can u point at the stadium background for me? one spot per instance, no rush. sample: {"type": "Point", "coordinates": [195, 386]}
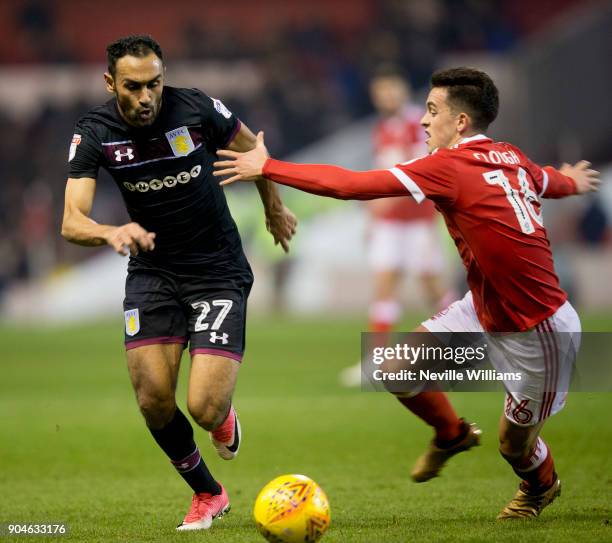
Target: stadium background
{"type": "Point", "coordinates": [72, 446]}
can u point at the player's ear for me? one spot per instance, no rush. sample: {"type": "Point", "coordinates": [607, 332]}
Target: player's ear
{"type": "Point", "coordinates": [463, 122]}
{"type": "Point", "coordinates": [110, 82]}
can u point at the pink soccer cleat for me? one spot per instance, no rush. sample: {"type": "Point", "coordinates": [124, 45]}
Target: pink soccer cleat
{"type": "Point", "coordinates": [204, 509]}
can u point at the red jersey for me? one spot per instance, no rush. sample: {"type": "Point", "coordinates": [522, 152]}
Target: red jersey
{"type": "Point", "coordinates": [488, 193]}
{"type": "Point", "coordinates": [396, 139]}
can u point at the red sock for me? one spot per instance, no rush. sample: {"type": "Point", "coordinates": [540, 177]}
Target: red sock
{"type": "Point", "coordinates": [537, 470]}
{"type": "Point", "coordinates": [384, 314]}
{"type": "Point", "coordinates": [436, 410]}
{"type": "Point", "coordinates": [379, 326]}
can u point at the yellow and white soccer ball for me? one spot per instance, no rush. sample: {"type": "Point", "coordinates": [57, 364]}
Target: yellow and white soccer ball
{"type": "Point", "coordinates": [292, 509]}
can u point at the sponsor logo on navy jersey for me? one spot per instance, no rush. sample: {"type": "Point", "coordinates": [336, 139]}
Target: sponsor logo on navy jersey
{"type": "Point", "coordinates": [168, 181]}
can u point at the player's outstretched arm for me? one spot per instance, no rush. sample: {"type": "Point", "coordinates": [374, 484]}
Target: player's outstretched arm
{"type": "Point", "coordinates": [79, 228]}
{"type": "Point", "coordinates": [280, 221]}
{"type": "Point", "coordinates": [569, 180]}
{"type": "Point", "coordinates": [315, 178]}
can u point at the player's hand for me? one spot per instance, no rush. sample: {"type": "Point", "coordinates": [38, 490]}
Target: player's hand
{"type": "Point", "coordinates": [130, 237]}
{"type": "Point", "coordinates": [586, 180]}
{"type": "Point", "coordinates": [242, 166]}
{"type": "Point", "coordinates": [282, 224]}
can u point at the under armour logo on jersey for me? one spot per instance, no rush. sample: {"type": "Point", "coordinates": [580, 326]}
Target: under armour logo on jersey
{"type": "Point", "coordinates": [129, 154]}
{"type": "Point", "coordinates": [223, 337]}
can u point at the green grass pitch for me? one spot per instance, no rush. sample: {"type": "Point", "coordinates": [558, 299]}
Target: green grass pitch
{"type": "Point", "coordinates": [73, 447]}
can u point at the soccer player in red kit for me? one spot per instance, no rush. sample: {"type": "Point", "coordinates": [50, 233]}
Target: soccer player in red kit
{"type": "Point", "coordinates": [400, 226]}
{"type": "Point", "coordinates": [488, 193]}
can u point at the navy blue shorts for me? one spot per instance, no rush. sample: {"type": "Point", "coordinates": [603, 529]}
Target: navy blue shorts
{"type": "Point", "coordinates": [164, 307]}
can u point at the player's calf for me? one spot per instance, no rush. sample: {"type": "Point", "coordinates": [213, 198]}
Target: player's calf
{"type": "Point", "coordinates": [532, 461]}
{"type": "Point", "coordinates": [536, 468]}
{"type": "Point", "coordinates": [527, 454]}
{"type": "Point", "coordinates": [176, 440]}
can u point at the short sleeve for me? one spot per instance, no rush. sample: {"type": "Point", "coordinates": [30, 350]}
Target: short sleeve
{"type": "Point", "coordinates": [220, 123]}
{"type": "Point", "coordinates": [84, 155]}
{"type": "Point", "coordinates": [432, 176]}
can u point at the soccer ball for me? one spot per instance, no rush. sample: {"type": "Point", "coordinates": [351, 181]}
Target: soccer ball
{"type": "Point", "coordinates": [292, 509]}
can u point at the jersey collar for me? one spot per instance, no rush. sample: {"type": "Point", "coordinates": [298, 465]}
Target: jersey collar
{"type": "Point", "coordinates": [471, 139]}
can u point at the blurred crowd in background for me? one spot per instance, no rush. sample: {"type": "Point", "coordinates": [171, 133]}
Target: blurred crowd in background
{"type": "Point", "coordinates": [315, 60]}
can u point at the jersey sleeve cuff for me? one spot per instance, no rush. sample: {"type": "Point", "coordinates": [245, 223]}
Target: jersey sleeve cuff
{"type": "Point", "coordinates": [268, 164]}
{"type": "Point", "coordinates": [414, 190]}
{"type": "Point", "coordinates": [233, 133]}
{"type": "Point", "coordinates": [561, 185]}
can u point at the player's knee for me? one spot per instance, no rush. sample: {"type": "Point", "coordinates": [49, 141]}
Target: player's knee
{"type": "Point", "coordinates": [208, 412]}
{"type": "Point", "coordinates": [156, 408]}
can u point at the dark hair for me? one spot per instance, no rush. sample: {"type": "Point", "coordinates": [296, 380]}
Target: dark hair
{"type": "Point", "coordinates": [138, 45]}
{"type": "Point", "coordinates": [388, 70]}
{"type": "Point", "coordinates": [470, 90]}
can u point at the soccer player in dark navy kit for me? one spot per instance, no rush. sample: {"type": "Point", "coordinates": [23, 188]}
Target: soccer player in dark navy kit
{"type": "Point", "coordinates": [188, 278]}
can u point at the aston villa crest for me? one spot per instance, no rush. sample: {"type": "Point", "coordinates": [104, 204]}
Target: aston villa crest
{"type": "Point", "coordinates": [132, 322]}
{"type": "Point", "coordinates": [180, 141]}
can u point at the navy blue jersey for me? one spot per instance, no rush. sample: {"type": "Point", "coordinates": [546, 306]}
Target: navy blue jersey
{"type": "Point", "coordinates": [164, 173]}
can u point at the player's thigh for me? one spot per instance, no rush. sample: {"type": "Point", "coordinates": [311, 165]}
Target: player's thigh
{"type": "Point", "coordinates": [212, 381]}
{"type": "Point", "coordinates": [540, 362]}
{"type": "Point", "coordinates": [155, 335]}
{"type": "Point", "coordinates": [420, 339]}
{"type": "Point", "coordinates": [460, 316]}
{"type": "Point", "coordinates": [457, 325]}
{"type": "Point", "coordinates": [153, 371]}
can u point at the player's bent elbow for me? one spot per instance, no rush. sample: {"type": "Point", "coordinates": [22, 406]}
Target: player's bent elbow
{"type": "Point", "coordinates": [66, 231]}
